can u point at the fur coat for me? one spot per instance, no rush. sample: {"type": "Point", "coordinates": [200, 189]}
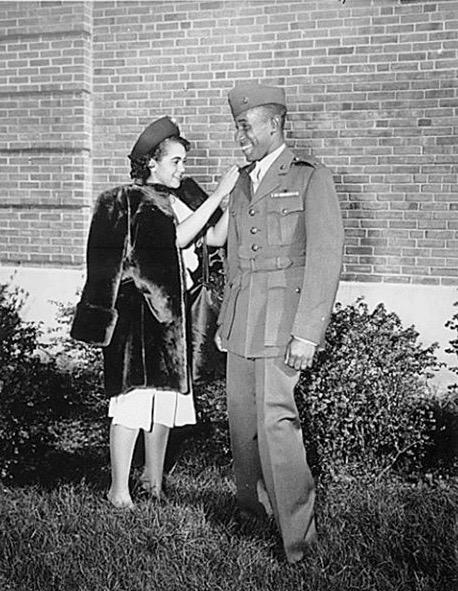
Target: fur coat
{"type": "Point", "coordinates": [133, 301]}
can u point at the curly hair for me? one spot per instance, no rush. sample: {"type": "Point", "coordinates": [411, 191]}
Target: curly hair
{"type": "Point", "coordinates": [139, 169]}
{"type": "Point", "coordinates": [139, 166]}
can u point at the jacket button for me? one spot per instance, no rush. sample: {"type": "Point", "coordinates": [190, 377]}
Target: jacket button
{"type": "Point", "coordinates": [284, 211]}
{"type": "Point", "coordinates": [251, 212]}
{"type": "Point", "coordinates": [254, 247]}
{"type": "Point", "coordinates": [298, 290]}
{"type": "Point", "coordinates": [253, 230]}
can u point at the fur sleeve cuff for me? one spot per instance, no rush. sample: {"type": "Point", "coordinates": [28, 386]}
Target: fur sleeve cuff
{"type": "Point", "coordinates": [94, 324]}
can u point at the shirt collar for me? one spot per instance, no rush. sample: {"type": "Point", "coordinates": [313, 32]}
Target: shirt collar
{"type": "Point", "coordinates": [264, 164]}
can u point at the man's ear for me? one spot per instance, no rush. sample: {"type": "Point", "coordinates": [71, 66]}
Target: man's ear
{"type": "Point", "coordinates": [275, 124]}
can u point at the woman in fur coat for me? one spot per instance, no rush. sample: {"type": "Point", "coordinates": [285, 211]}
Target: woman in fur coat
{"type": "Point", "coordinates": [140, 257]}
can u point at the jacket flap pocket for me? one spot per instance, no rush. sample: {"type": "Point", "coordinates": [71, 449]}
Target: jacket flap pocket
{"type": "Point", "coordinates": [285, 203]}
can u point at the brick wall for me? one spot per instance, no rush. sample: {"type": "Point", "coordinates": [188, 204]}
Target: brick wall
{"type": "Point", "coordinates": [372, 92]}
{"type": "Point", "coordinates": [45, 152]}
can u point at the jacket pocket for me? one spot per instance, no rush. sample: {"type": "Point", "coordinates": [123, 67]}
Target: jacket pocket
{"type": "Point", "coordinates": [283, 294]}
{"type": "Point", "coordinates": [285, 216]}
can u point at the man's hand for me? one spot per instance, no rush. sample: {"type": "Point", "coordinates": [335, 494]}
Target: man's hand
{"type": "Point", "coordinates": [218, 342]}
{"type": "Point", "coordinates": [299, 354]}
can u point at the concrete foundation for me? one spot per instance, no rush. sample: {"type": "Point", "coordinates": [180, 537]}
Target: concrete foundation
{"type": "Point", "coordinates": [426, 307]}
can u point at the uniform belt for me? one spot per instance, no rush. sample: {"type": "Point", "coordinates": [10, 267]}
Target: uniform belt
{"type": "Point", "coordinates": [271, 263]}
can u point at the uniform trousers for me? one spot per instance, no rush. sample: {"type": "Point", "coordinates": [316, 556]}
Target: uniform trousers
{"type": "Point", "coordinates": [268, 449]}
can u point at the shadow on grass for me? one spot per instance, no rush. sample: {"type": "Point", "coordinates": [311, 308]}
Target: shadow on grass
{"type": "Point", "coordinates": [221, 513]}
{"type": "Point", "coordinates": [49, 467]}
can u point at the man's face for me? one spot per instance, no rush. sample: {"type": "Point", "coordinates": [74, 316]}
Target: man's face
{"type": "Point", "coordinates": [255, 133]}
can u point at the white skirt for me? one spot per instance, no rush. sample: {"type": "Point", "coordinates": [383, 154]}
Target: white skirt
{"type": "Point", "coordinates": [140, 408]}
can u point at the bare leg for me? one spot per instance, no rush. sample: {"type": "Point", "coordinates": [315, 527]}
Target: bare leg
{"type": "Point", "coordinates": [122, 441]}
{"type": "Point", "coordinates": [155, 448]}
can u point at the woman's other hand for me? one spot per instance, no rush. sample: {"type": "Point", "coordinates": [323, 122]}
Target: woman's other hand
{"type": "Point", "coordinates": [187, 229]}
{"type": "Point", "coordinates": [227, 182]}
{"type": "Point", "coordinates": [219, 342]}
{"type": "Point", "coordinates": [224, 202]}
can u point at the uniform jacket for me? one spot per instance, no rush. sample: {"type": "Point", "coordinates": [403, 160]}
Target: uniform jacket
{"type": "Point", "coordinates": [133, 303]}
{"type": "Point", "coordinates": [284, 258]}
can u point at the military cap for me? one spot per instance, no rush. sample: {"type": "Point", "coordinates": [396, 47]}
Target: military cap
{"type": "Point", "coordinates": [153, 135]}
{"type": "Point", "coordinates": [246, 96]}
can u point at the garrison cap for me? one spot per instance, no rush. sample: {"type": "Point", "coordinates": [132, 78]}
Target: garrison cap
{"type": "Point", "coordinates": [153, 135]}
{"type": "Point", "coordinates": [246, 96]}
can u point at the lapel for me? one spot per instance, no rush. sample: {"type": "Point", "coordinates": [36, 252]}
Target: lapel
{"type": "Point", "coordinates": [274, 175]}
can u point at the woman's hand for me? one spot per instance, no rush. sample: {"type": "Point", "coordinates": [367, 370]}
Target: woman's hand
{"type": "Point", "coordinates": [223, 204]}
{"type": "Point", "coordinates": [188, 228]}
{"type": "Point", "coordinates": [219, 342]}
{"type": "Point", "coordinates": [227, 181]}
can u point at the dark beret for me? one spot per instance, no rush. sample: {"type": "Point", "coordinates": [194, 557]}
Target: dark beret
{"type": "Point", "coordinates": [246, 96]}
{"type": "Point", "coordinates": [153, 135]}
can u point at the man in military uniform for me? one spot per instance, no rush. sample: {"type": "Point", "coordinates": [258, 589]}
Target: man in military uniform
{"type": "Point", "coordinates": [285, 242]}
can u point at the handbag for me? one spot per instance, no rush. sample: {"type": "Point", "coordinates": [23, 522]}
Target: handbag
{"type": "Point", "coordinates": [208, 363]}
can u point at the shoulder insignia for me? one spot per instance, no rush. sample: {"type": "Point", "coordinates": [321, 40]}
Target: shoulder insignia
{"type": "Point", "coordinates": [306, 161]}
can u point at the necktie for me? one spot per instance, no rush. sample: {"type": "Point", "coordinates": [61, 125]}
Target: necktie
{"type": "Point", "coordinates": [255, 176]}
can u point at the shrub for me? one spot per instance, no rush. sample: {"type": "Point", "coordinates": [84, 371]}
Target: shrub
{"type": "Point", "coordinates": [25, 405]}
{"type": "Point", "coordinates": [453, 349]}
{"type": "Point", "coordinates": [211, 410]}
{"type": "Point", "coordinates": [365, 401]}
{"type": "Point", "coordinates": [16, 338]}
{"type": "Point", "coordinates": [445, 452]}
{"type": "Point", "coordinates": [37, 391]}
{"type": "Point", "coordinates": [82, 363]}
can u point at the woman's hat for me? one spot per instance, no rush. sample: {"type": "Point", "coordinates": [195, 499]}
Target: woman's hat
{"type": "Point", "coordinates": [153, 135]}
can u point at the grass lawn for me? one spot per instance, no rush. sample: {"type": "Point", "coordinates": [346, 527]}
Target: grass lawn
{"type": "Point", "coordinates": [383, 536]}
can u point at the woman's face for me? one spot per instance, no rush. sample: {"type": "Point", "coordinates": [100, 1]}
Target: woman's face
{"type": "Point", "coordinates": [170, 169]}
